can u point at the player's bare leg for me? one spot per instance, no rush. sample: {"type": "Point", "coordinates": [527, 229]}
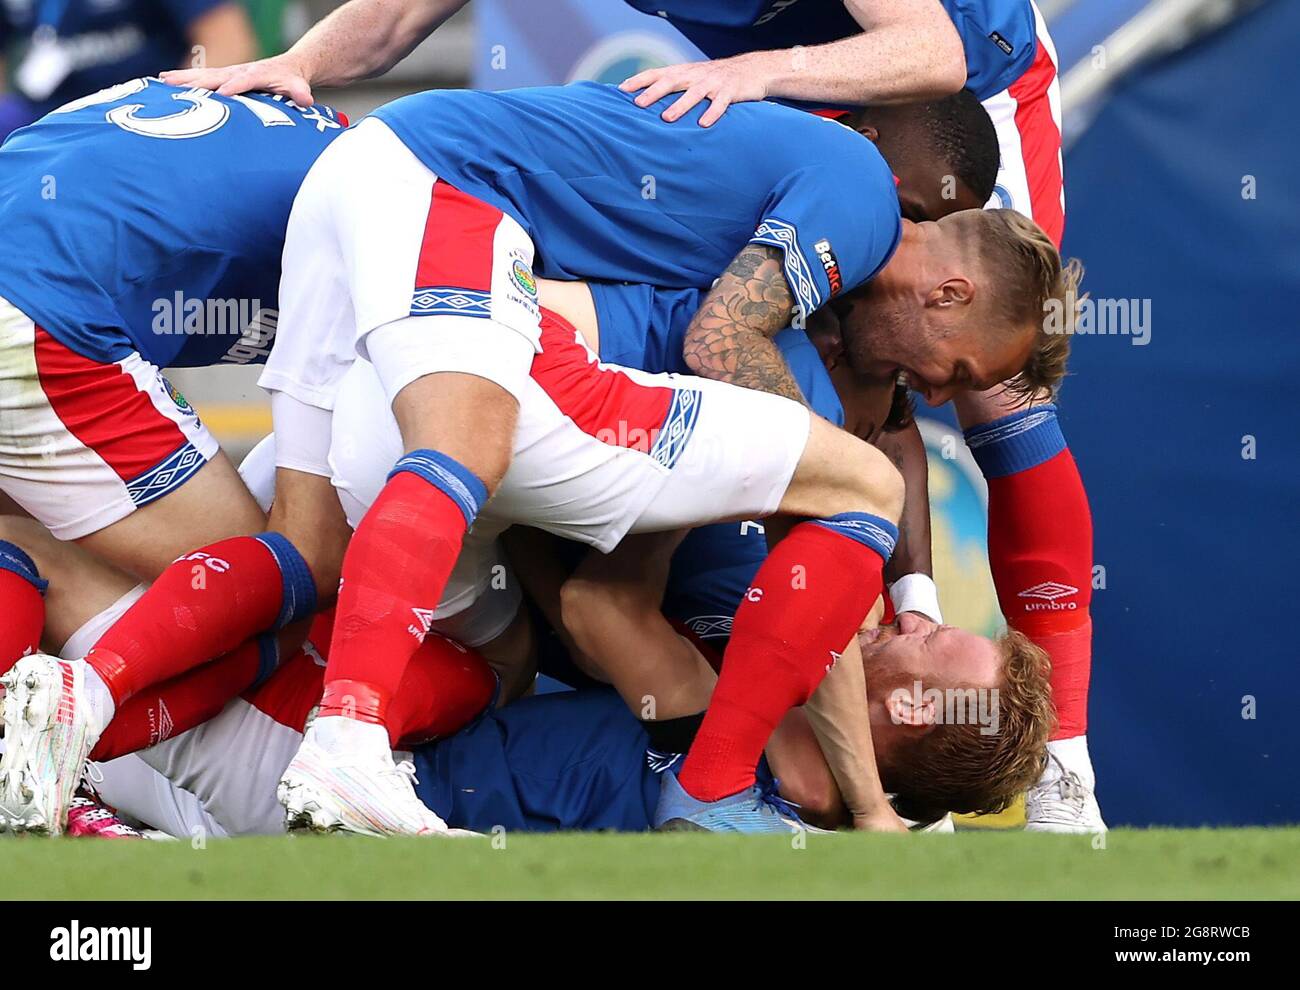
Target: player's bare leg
{"type": "Point", "coordinates": [1040, 551]}
{"type": "Point", "coordinates": [213, 505]}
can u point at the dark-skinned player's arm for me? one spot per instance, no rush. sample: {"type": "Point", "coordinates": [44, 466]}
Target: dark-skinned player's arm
{"type": "Point", "coordinates": [730, 338]}
{"type": "Point", "coordinates": [910, 571]}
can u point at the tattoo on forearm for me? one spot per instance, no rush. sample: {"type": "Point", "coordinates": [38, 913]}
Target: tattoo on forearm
{"type": "Point", "coordinates": [730, 338]}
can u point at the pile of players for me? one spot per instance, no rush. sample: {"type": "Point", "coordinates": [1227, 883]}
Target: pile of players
{"type": "Point", "coordinates": [538, 362]}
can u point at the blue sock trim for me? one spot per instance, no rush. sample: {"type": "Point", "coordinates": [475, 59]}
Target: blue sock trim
{"type": "Point", "coordinates": [268, 658]}
{"type": "Point", "coordinates": [14, 559]}
{"type": "Point", "coordinates": [1017, 442]}
{"type": "Point", "coordinates": [298, 595]}
{"type": "Point", "coordinates": [449, 476]}
{"type": "Point", "coordinates": [871, 531]}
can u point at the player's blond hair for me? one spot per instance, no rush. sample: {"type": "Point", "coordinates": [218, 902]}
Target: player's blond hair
{"type": "Point", "coordinates": [1033, 287]}
{"type": "Point", "coordinates": [964, 768]}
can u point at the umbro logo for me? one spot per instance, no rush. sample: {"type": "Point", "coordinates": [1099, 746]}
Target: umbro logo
{"type": "Point", "coordinates": [161, 724]}
{"type": "Point", "coordinates": [423, 621]}
{"type": "Point", "coordinates": [1049, 591]}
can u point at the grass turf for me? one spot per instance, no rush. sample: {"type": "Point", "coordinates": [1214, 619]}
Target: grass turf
{"type": "Point", "coordinates": [1145, 864]}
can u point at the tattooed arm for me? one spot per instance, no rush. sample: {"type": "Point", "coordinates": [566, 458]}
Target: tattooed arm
{"type": "Point", "coordinates": [730, 338]}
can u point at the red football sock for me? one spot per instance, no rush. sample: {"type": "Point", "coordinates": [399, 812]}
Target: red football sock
{"type": "Point", "coordinates": [443, 689]}
{"type": "Point", "coordinates": [393, 575]}
{"type": "Point", "coordinates": [785, 637]}
{"type": "Point", "coordinates": [1040, 552]}
{"type": "Point", "coordinates": [205, 604]}
{"type": "Point", "coordinates": [179, 704]}
{"type": "Point", "coordinates": [22, 604]}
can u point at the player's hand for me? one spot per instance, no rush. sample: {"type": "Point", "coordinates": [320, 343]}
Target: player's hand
{"type": "Point", "coordinates": [722, 82]}
{"type": "Point", "coordinates": [282, 74]}
{"type": "Point", "coordinates": [883, 820]}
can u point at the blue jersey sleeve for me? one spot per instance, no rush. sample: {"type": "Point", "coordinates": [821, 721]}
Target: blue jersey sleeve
{"type": "Point", "coordinates": [836, 222]}
{"type": "Point", "coordinates": [999, 38]}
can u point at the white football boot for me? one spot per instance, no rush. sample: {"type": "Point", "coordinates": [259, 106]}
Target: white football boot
{"type": "Point", "coordinates": [50, 729]}
{"type": "Point", "coordinates": [358, 789]}
{"type": "Point", "coordinates": [1063, 799]}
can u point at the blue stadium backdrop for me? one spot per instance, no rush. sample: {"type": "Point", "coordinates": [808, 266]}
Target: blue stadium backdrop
{"type": "Point", "coordinates": [1182, 193]}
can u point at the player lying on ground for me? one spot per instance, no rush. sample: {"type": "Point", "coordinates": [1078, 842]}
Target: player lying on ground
{"type": "Point", "coordinates": [566, 761]}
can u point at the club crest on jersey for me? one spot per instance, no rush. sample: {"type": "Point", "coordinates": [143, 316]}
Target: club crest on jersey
{"type": "Point", "coordinates": [831, 264]}
{"type": "Point", "coordinates": [523, 277]}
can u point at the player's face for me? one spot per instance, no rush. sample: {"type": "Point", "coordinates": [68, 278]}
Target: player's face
{"type": "Point", "coordinates": [914, 648]}
{"type": "Point", "coordinates": [926, 193]}
{"type": "Point", "coordinates": [941, 351]}
{"type": "Point", "coordinates": [967, 360]}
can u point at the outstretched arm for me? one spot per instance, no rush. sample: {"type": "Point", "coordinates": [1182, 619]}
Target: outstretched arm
{"type": "Point", "coordinates": [908, 51]}
{"type": "Point", "coordinates": [730, 338]}
{"type": "Point", "coordinates": [360, 39]}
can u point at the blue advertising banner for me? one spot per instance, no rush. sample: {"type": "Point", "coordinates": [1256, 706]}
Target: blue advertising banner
{"type": "Point", "coordinates": [604, 40]}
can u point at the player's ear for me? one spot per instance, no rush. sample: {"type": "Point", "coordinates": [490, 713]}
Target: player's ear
{"type": "Point", "coordinates": [953, 292]}
{"type": "Point", "coordinates": [908, 707]}
{"type": "Point", "coordinates": [868, 132]}
{"type": "Point", "coordinates": [824, 330]}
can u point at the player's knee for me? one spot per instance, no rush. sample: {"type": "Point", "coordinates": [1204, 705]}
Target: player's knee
{"type": "Point", "coordinates": [841, 473]}
{"type": "Point", "coordinates": [868, 482]}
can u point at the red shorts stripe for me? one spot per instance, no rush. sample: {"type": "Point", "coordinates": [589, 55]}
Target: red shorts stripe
{"type": "Point", "coordinates": [459, 234]}
{"type": "Point", "coordinates": [603, 402]}
{"type": "Point", "coordinates": [101, 405]}
{"type": "Point", "coordinates": [1040, 142]}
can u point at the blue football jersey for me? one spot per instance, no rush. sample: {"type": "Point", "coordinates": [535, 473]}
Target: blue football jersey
{"type": "Point", "coordinates": [998, 35]}
{"type": "Point", "coordinates": [575, 760]}
{"type": "Point", "coordinates": [643, 327]}
{"type": "Point", "coordinates": [610, 191]}
{"type": "Point", "coordinates": [151, 218]}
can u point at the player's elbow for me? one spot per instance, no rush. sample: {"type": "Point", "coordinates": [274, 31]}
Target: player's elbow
{"type": "Point", "coordinates": [693, 358]}
{"type": "Point", "coordinates": [948, 72]}
{"type": "Point", "coordinates": [941, 69]}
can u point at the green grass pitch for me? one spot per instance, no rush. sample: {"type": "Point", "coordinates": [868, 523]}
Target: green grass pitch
{"type": "Point", "coordinates": [1142, 864]}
